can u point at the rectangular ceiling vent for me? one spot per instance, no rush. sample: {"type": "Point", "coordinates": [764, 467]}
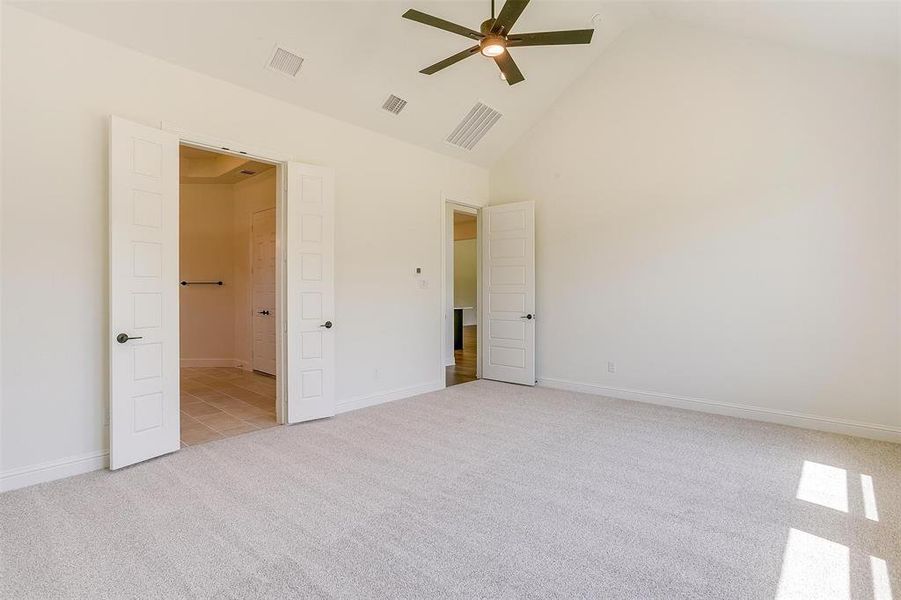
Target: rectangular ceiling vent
{"type": "Point", "coordinates": [474, 127]}
{"type": "Point", "coordinates": [394, 104]}
{"type": "Point", "coordinates": [284, 61]}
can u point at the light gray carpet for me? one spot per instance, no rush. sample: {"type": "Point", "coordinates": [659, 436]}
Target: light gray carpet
{"type": "Point", "coordinates": [481, 490]}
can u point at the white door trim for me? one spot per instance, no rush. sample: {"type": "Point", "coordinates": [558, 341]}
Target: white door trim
{"type": "Point", "coordinates": [223, 146]}
{"type": "Point", "coordinates": [463, 206]}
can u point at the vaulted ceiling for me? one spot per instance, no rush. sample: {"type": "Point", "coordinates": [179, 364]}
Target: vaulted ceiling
{"type": "Point", "coordinates": [357, 53]}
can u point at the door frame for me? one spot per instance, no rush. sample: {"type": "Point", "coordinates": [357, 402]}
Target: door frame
{"type": "Point", "coordinates": [446, 239]}
{"type": "Point", "coordinates": [223, 146]}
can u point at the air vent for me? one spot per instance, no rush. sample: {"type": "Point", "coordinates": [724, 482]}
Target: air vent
{"type": "Point", "coordinates": [284, 61]}
{"type": "Point", "coordinates": [474, 127]}
{"type": "Point", "coordinates": [394, 104]}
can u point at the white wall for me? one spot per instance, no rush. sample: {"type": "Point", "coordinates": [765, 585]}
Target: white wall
{"type": "Point", "coordinates": [59, 86]}
{"type": "Point", "coordinates": [1, 234]}
{"type": "Point", "coordinates": [720, 218]}
{"type": "Point", "coordinates": [207, 252]}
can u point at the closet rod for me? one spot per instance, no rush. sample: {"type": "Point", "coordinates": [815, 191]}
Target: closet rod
{"type": "Point", "coordinates": [201, 283]}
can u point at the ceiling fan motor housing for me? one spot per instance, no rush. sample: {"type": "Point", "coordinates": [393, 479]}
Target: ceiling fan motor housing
{"type": "Point", "coordinates": [489, 45]}
{"type": "Point", "coordinates": [493, 39]}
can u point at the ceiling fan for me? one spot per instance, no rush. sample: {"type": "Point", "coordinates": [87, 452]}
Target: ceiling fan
{"type": "Point", "coordinates": [494, 38]}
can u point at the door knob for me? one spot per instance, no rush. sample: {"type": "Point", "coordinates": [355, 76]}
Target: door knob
{"type": "Point", "coordinates": [262, 312]}
{"type": "Point", "coordinates": [327, 325]}
{"type": "Point", "coordinates": [529, 316]}
{"type": "Point", "coordinates": [123, 337]}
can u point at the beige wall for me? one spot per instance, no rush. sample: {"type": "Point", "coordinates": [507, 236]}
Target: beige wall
{"type": "Point", "coordinates": [718, 216]}
{"type": "Point", "coordinates": [465, 230]}
{"type": "Point", "coordinates": [255, 194]}
{"type": "Point", "coordinates": [215, 243]}
{"type": "Point", "coordinates": [465, 278]}
{"type": "Point", "coordinates": [207, 252]}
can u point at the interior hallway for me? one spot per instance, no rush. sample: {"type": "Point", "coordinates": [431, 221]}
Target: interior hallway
{"type": "Point", "coordinates": [218, 403]}
{"type": "Point", "coordinates": [464, 368]}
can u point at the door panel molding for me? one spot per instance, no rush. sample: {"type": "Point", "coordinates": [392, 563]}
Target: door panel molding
{"type": "Point", "coordinates": [310, 292]}
{"type": "Point", "coordinates": [508, 293]}
{"type": "Point", "coordinates": [144, 366]}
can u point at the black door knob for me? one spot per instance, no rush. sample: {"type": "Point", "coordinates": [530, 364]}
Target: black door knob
{"type": "Point", "coordinates": [123, 337]}
{"type": "Point", "coordinates": [327, 325]}
{"type": "Point", "coordinates": [528, 316]}
{"type": "Point", "coordinates": [263, 312]}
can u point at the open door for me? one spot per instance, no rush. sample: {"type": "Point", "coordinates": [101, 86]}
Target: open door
{"type": "Point", "coordinates": [310, 292]}
{"type": "Point", "coordinates": [143, 357]}
{"type": "Point", "coordinates": [508, 292]}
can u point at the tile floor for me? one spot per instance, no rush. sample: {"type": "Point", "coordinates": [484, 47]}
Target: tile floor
{"type": "Point", "coordinates": [218, 403]}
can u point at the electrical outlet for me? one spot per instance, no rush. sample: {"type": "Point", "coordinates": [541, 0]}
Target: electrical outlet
{"type": "Point", "coordinates": [611, 366]}
{"type": "Point", "coordinates": [423, 284]}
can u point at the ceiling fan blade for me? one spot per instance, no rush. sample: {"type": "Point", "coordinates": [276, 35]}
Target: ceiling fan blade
{"type": "Point", "coordinates": [421, 17]}
{"type": "Point", "coordinates": [550, 38]}
{"type": "Point", "coordinates": [450, 60]}
{"type": "Point", "coordinates": [508, 67]}
{"type": "Point", "coordinates": [508, 16]}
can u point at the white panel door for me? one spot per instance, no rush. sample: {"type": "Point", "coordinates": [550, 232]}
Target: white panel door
{"type": "Point", "coordinates": [144, 360]}
{"type": "Point", "coordinates": [310, 292]}
{"type": "Point", "coordinates": [508, 292]}
{"type": "Point", "coordinates": [264, 291]}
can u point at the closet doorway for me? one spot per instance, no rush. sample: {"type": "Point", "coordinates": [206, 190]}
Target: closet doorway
{"type": "Point", "coordinates": [155, 325]}
{"type": "Point", "coordinates": [227, 304]}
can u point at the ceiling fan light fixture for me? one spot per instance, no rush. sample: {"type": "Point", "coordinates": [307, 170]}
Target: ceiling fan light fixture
{"type": "Point", "coordinates": [493, 46]}
{"type": "Point", "coordinates": [495, 37]}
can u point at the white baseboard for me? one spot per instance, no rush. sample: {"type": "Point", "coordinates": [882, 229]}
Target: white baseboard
{"type": "Point", "coordinates": [381, 398]}
{"type": "Point", "coordinates": [783, 417]}
{"type": "Point", "coordinates": [93, 461]}
{"type": "Point", "coordinates": [212, 362]}
{"type": "Point", "coordinates": [56, 469]}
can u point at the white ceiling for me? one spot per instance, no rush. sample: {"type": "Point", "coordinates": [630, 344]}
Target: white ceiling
{"type": "Point", "coordinates": [853, 27]}
{"type": "Point", "coordinates": [356, 53]}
